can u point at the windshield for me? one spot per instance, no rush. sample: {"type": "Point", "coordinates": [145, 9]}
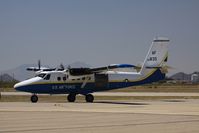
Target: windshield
{"type": "Point", "coordinates": [41, 75]}
{"type": "Point", "coordinates": [47, 77]}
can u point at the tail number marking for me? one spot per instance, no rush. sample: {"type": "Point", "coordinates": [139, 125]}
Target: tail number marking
{"type": "Point", "coordinates": [152, 59]}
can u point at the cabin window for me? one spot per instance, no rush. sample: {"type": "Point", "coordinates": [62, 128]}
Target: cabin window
{"type": "Point", "coordinates": [83, 78]}
{"type": "Point", "coordinates": [47, 77]}
{"type": "Point", "coordinates": [64, 78]}
{"type": "Point", "coordinates": [58, 78]}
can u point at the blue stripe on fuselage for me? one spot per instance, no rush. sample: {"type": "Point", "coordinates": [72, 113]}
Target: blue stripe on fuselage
{"type": "Point", "coordinates": [65, 88]}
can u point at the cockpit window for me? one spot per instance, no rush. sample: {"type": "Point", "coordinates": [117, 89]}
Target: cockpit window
{"type": "Point", "coordinates": [41, 75]}
{"type": "Point", "coordinates": [47, 77]}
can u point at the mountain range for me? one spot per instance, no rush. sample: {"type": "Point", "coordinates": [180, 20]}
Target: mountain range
{"type": "Point", "coordinates": [6, 78]}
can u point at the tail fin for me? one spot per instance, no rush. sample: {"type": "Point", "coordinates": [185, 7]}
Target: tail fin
{"type": "Point", "coordinates": [157, 55]}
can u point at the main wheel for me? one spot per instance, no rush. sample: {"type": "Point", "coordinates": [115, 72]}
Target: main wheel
{"type": "Point", "coordinates": [89, 98]}
{"type": "Point", "coordinates": [34, 98]}
{"type": "Point", "coordinates": [71, 97]}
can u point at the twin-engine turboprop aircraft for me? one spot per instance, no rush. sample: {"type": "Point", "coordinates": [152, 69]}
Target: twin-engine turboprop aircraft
{"type": "Point", "coordinates": [74, 81]}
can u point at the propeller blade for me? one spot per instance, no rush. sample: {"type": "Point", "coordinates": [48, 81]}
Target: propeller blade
{"type": "Point", "coordinates": [69, 67]}
{"type": "Point", "coordinates": [62, 66]}
{"type": "Point", "coordinates": [39, 64]}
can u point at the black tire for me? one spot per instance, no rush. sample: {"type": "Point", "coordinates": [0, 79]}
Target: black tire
{"type": "Point", "coordinates": [34, 98]}
{"type": "Point", "coordinates": [71, 97]}
{"type": "Point", "coordinates": [89, 98]}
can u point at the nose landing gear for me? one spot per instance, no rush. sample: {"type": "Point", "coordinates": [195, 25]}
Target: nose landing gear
{"type": "Point", "coordinates": [34, 98]}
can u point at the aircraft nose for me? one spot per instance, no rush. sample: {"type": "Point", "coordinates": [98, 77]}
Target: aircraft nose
{"type": "Point", "coordinates": [18, 85]}
{"type": "Point", "coordinates": [24, 85]}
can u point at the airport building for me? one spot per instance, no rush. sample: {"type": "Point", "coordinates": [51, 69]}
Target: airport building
{"type": "Point", "coordinates": [194, 78]}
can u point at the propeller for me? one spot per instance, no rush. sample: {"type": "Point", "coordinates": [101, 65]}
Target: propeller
{"type": "Point", "coordinates": [39, 68]}
{"type": "Point", "coordinates": [39, 64]}
{"type": "Point", "coordinates": [62, 66]}
{"type": "Point", "coordinates": [69, 68]}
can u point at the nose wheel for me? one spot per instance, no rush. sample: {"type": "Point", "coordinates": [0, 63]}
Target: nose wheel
{"type": "Point", "coordinates": [34, 98]}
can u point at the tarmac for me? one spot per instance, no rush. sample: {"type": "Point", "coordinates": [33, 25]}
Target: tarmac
{"type": "Point", "coordinates": [139, 116]}
{"type": "Point", "coordinates": [116, 94]}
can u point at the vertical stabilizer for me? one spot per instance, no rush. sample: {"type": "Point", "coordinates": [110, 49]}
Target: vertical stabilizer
{"type": "Point", "coordinates": [157, 55]}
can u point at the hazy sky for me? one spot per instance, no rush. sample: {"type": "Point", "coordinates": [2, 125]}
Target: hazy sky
{"type": "Point", "coordinates": [97, 32]}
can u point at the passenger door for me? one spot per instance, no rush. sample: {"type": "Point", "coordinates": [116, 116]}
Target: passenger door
{"type": "Point", "coordinates": [101, 81]}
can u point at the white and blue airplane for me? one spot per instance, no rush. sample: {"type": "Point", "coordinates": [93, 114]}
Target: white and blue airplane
{"type": "Point", "coordinates": [85, 81]}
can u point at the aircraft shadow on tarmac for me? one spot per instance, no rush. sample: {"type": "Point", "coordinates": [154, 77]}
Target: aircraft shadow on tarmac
{"type": "Point", "coordinates": [121, 103]}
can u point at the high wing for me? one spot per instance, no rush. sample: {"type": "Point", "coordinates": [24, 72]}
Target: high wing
{"type": "Point", "coordinates": [35, 69]}
{"type": "Point", "coordinates": [87, 71]}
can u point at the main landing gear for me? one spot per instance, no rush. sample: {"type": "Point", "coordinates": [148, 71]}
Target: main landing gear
{"type": "Point", "coordinates": [88, 97]}
{"type": "Point", "coordinates": [34, 98]}
{"type": "Point", "coordinates": [71, 97]}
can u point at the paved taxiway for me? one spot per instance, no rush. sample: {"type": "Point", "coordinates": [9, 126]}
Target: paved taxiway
{"type": "Point", "coordinates": [140, 116]}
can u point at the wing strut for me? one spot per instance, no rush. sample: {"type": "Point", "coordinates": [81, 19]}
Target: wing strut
{"type": "Point", "coordinates": [84, 83]}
